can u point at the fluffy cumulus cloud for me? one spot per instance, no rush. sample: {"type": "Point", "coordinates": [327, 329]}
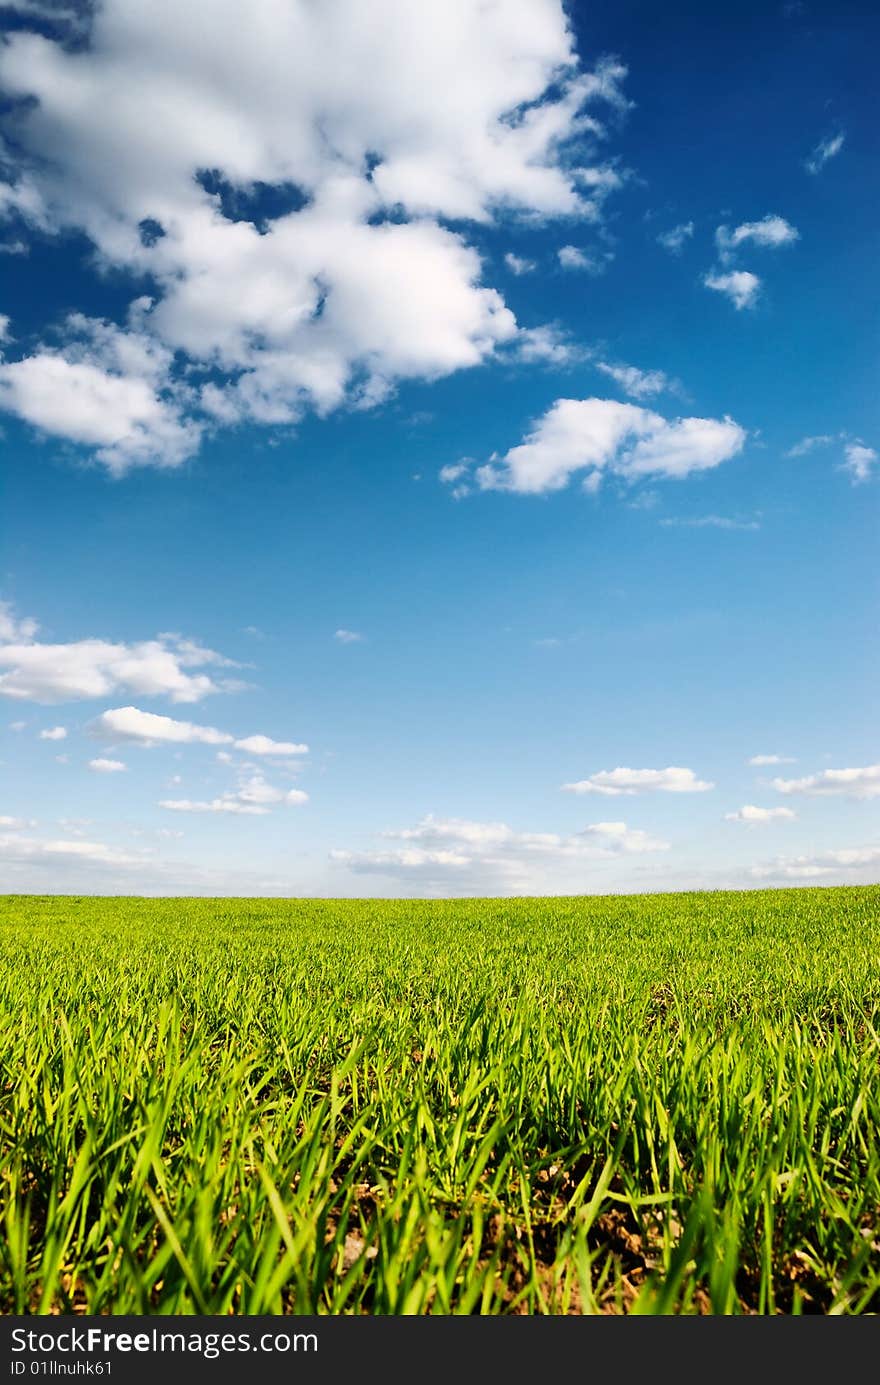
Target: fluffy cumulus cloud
{"type": "Point", "coordinates": [54, 733]}
{"type": "Point", "coordinates": [770, 232]}
{"type": "Point", "coordinates": [37, 671]}
{"type": "Point", "coordinates": [101, 765]}
{"type": "Point", "coordinates": [603, 436]}
{"type": "Point", "coordinates": [834, 783]}
{"type": "Point", "coordinates": [149, 728]}
{"type": "Point", "coordinates": [107, 389]}
{"type": "Point", "coordinates": [754, 816]}
{"type": "Point", "coordinates": [264, 745]}
{"type": "Point", "coordinates": [286, 175]}
{"type": "Point", "coordinates": [131, 724]}
{"type": "Point", "coordinates": [614, 782]}
{"type": "Point", "coordinates": [456, 855]}
{"type": "Point", "coordinates": [739, 285]}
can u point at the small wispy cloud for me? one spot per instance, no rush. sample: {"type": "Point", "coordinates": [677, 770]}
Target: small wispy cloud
{"type": "Point", "coordinates": [740, 286]}
{"type": "Point", "coordinates": [674, 239]}
{"type": "Point", "coordinates": [548, 344]}
{"type": "Point", "coordinates": [573, 258]}
{"type": "Point", "coordinates": [758, 760]}
{"type": "Point", "coordinates": [518, 265]}
{"type": "Point", "coordinates": [810, 444]}
{"type": "Point", "coordinates": [54, 733]}
{"type": "Point", "coordinates": [710, 522]}
{"type": "Point", "coordinates": [104, 766]}
{"type": "Point", "coordinates": [638, 384]}
{"type": "Point", "coordinates": [859, 461]}
{"type": "Point", "coordinates": [827, 148]}
{"type": "Point", "coordinates": [754, 816]}
{"type": "Point", "coordinates": [349, 636]}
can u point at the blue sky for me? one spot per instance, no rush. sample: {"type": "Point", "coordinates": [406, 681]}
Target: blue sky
{"type": "Point", "coordinates": [476, 405]}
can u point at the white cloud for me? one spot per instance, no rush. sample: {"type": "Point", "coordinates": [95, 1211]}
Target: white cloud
{"type": "Point", "coordinates": [214, 805]}
{"type": "Point", "coordinates": [709, 522]}
{"type": "Point", "coordinates": [518, 265]}
{"type": "Point", "coordinates": [255, 796]}
{"type": "Point", "coordinates": [770, 232]}
{"type": "Point", "coordinates": [17, 725]}
{"type": "Point", "coordinates": [839, 864]}
{"type": "Point", "coordinates": [771, 760]}
{"type": "Point", "coordinates": [640, 384]}
{"type": "Point", "coordinates": [103, 396]}
{"type": "Point", "coordinates": [457, 854]}
{"type": "Point", "coordinates": [54, 733]}
{"type": "Point", "coordinates": [547, 344]}
{"type": "Point", "coordinates": [14, 630]}
{"type": "Point", "coordinates": [348, 636]}
{"type": "Point", "coordinates": [613, 782]}
{"type": "Point", "coordinates": [863, 782]}
{"type": "Point", "coordinates": [739, 285]}
{"type": "Point", "coordinates": [377, 129]}
{"type": "Point", "coordinates": [750, 814]}
{"type": "Point", "coordinates": [15, 848]}
{"type": "Point", "coordinates": [453, 471]}
{"type": "Point", "coordinates": [256, 789]}
{"type": "Point", "coordinates": [12, 824]}
{"type": "Point", "coordinates": [673, 240]}
{"type": "Point", "coordinates": [806, 445]}
{"type": "Point", "coordinates": [597, 436]}
{"type": "Point", "coordinates": [51, 673]}
{"type": "Point", "coordinates": [149, 728]}
{"type": "Point", "coordinates": [827, 148]}
{"type": "Point", "coordinates": [102, 766]}
{"type": "Point", "coordinates": [571, 257]}
{"type": "Point", "coordinates": [860, 460]}
{"type": "Point", "coordinates": [616, 836]}
{"type": "Point", "coordinates": [264, 745]}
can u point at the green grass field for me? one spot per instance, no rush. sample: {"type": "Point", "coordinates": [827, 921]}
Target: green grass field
{"type": "Point", "coordinates": [655, 1104]}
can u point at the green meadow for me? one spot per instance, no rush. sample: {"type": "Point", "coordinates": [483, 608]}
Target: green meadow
{"type": "Point", "coordinates": [634, 1104]}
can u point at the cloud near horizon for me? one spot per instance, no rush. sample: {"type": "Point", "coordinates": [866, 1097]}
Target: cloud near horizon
{"type": "Point", "coordinates": [458, 854]}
